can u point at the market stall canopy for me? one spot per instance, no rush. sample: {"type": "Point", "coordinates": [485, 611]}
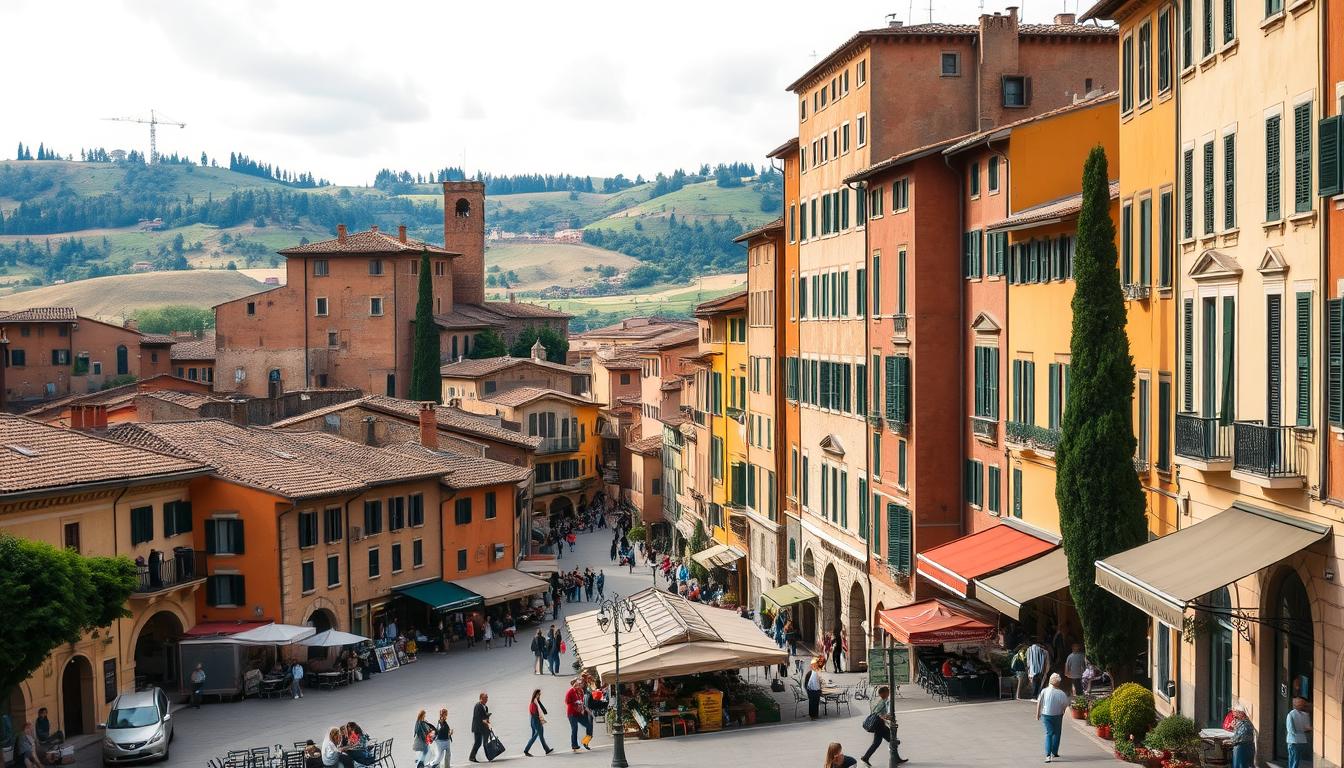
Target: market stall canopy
{"type": "Point", "coordinates": [440, 595]}
{"type": "Point", "coordinates": [1007, 591]}
{"type": "Point", "coordinates": [539, 565]}
{"type": "Point", "coordinates": [230, 628]}
{"type": "Point", "coordinates": [932, 622]}
{"type": "Point", "coordinates": [1166, 575]}
{"type": "Point", "coordinates": [953, 565]}
{"type": "Point", "coordinates": [672, 636]}
{"type": "Point", "coordinates": [789, 594]}
{"type": "Point", "coordinates": [718, 556]}
{"type": "Point", "coordinates": [274, 634]}
{"type": "Point", "coordinates": [504, 585]}
{"type": "Point", "coordinates": [332, 638]}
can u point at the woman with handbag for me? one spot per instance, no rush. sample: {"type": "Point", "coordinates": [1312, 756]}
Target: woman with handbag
{"type": "Point", "coordinates": [876, 724]}
{"type": "Point", "coordinates": [443, 739]}
{"type": "Point", "coordinates": [536, 713]}
{"type": "Point", "coordinates": [421, 738]}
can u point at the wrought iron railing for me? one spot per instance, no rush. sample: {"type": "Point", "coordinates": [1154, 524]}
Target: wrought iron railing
{"type": "Point", "coordinates": [1264, 451]}
{"type": "Point", "coordinates": [172, 569]}
{"type": "Point", "coordinates": [1031, 436]}
{"type": "Point", "coordinates": [559, 444]}
{"type": "Point", "coordinates": [984, 426]}
{"type": "Point", "coordinates": [900, 323]}
{"type": "Point", "coordinates": [1203, 438]}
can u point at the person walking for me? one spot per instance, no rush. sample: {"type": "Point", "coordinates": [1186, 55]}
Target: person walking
{"type": "Point", "coordinates": [470, 630]}
{"type": "Point", "coordinates": [553, 650]}
{"type": "Point", "coordinates": [539, 652]}
{"type": "Point", "coordinates": [488, 633]}
{"type": "Point", "coordinates": [577, 713]}
{"type": "Point", "coordinates": [1038, 664]}
{"type": "Point", "coordinates": [588, 584]}
{"type": "Point", "coordinates": [536, 715]}
{"type": "Point", "coordinates": [443, 739]}
{"type": "Point", "coordinates": [1243, 739]}
{"type": "Point", "coordinates": [480, 726]}
{"type": "Point", "coordinates": [422, 734]}
{"type": "Point", "coordinates": [1074, 667]}
{"type": "Point", "coordinates": [614, 540]}
{"type": "Point", "coordinates": [838, 648]}
{"type": "Point", "coordinates": [1050, 706]}
{"type": "Point", "coordinates": [881, 715]}
{"type": "Point", "coordinates": [1299, 732]}
{"type": "Point", "coordinates": [836, 757]}
{"type": "Point", "coordinates": [197, 685]}
{"type": "Point", "coordinates": [296, 680]}
{"type": "Point", "coordinates": [813, 687]}
{"type": "Point", "coordinates": [1019, 667]}
{"type": "Point", "coordinates": [600, 581]}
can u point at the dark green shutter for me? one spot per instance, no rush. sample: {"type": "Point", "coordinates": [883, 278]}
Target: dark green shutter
{"type": "Point", "coordinates": [1054, 396]}
{"type": "Point", "coordinates": [1273, 169]}
{"type": "Point", "coordinates": [1229, 181]}
{"type": "Point", "coordinates": [1017, 493]}
{"type": "Point", "coordinates": [1328, 156]}
{"type": "Point", "coordinates": [890, 391]}
{"type": "Point", "coordinates": [211, 592]}
{"type": "Point", "coordinates": [899, 555]}
{"type": "Point", "coordinates": [1127, 244]}
{"type": "Point", "coordinates": [1334, 324]}
{"type": "Point", "coordinates": [1165, 246]}
{"type": "Point", "coordinates": [1188, 194]}
{"type": "Point", "coordinates": [239, 593]}
{"type": "Point", "coordinates": [903, 390]}
{"type": "Point", "coordinates": [1274, 358]}
{"type": "Point", "coordinates": [1229, 412]}
{"type": "Point", "coordinates": [1303, 344]}
{"type": "Point", "coordinates": [1208, 187]}
{"type": "Point", "coordinates": [1188, 355]}
{"type": "Point", "coordinates": [993, 501]}
{"type": "Point", "coordinates": [1302, 158]}
{"type": "Point", "coordinates": [210, 536]}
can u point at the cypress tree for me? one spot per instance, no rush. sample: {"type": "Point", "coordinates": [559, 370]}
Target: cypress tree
{"type": "Point", "coordinates": [1101, 505]}
{"type": "Point", "coordinates": [425, 353]}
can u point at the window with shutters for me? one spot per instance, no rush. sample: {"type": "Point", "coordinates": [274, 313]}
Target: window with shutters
{"type": "Point", "coordinates": [974, 483]}
{"type": "Point", "coordinates": [224, 536]}
{"type": "Point", "coordinates": [971, 253]}
{"type": "Point", "coordinates": [1017, 493]}
{"type": "Point", "coordinates": [987, 382]}
{"type": "Point", "coordinates": [1274, 355]}
{"type": "Point", "coordinates": [1208, 187]}
{"type": "Point", "coordinates": [1165, 246]}
{"type": "Point", "coordinates": [1127, 74]}
{"type": "Point", "coordinates": [1187, 35]}
{"type": "Point", "coordinates": [1302, 344]}
{"type": "Point", "coordinates": [225, 591]}
{"type": "Point", "coordinates": [900, 556]}
{"type": "Point", "coordinates": [1145, 411]}
{"type": "Point", "coordinates": [1144, 64]}
{"type": "Point", "coordinates": [396, 513]}
{"type": "Point", "coordinates": [877, 284]}
{"type": "Point", "coordinates": [898, 391]}
{"type": "Point", "coordinates": [1164, 423]}
{"type": "Point", "coordinates": [142, 524]}
{"type": "Point", "coordinates": [901, 276]}
{"type": "Point", "coordinates": [1207, 38]}
{"type": "Point", "coordinates": [862, 499]}
{"type": "Point", "coordinates": [1055, 374]}
{"type": "Point", "coordinates": [1334, 364]}
{"type": "Point", "coordinates": [716, 458]}
{"type": "Point", "coordinates": [373, 517]}
{"type": "Point", "coordinates": [900, 194]}
{"type": "Point", "coordinates": [1209, 356]}
{"type": "Point", "coordinates": [307, 529]}
{"type": "Point", "coordinates": [1188, 194]}
{"type": "Point", "coordinates": [1127, 243]}
{"type": "Point", "coordinates": [176, 518]}
{"type": "Point", "coordinates": [1229, 21]}
{"type": "Point", "coordinates": [992, 495]}
{"type": "Point", "coordinates": [309, 578]}
{"type": "Point", "coordinates": [1024, 394]}
{"type": "Point", "coordinates": [1230, 181]}
{"type": "Point", "coordinates": [1164, 51]}
{"type": "Point", "coordinates": [993, 173]}
{"type": "Point", "coordinates": [333, 571]}
{"type": "Point", "coordinates": [375, 563]}
{"type": "Point", "coordinates": [1329, 158]}
{"type": "Point", "coordinates": [974, 178]}
{"type": "Point", "coordinates": [1146, 241]}
{"type": "Point", "coordinates": [331, 525]}
{"type": "Point", "coordinates": [1302, 197]}
{"type": "Point", "coordinates": [901, 449]}
{"type": "Point", "coordinates": [861, 292]}
{"type": "Point", "coordinates": [1273, 168]}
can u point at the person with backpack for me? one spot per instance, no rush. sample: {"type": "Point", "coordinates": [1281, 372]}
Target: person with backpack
{"type": "Point", "coordinates": [877, 724]}
{"type": "Point", "coordinates": [421, 736]}
{"type": "Point", "coordinates": [539, 648]}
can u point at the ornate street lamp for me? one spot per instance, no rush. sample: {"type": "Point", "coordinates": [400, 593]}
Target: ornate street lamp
{"type": "Point", "coordinates": [614, 612]}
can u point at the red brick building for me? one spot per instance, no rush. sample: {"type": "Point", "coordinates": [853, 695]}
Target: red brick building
{"type": "Point", "coordinates": [345, 315]}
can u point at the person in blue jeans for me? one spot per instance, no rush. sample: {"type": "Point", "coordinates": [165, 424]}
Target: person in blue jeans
{"type": "Point", "coordinates": [536, 714]}
{"type": "Point", "coordinates": [1243, 740]}
{"type": "Point", "coordinates": [1050, 706]}
{"type": "Point", "coordinates": [1299, 733]}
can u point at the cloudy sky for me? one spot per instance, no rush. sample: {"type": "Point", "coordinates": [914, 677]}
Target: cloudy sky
{"type": "Point", "coordinates": [345, 88]}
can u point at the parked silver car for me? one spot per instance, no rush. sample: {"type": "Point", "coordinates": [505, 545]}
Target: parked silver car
{"type": "Point", "coordinates": [139, 727]}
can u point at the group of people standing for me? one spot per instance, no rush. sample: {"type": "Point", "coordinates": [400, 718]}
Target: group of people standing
{"type": "Point", "coordinates": [546, 650]}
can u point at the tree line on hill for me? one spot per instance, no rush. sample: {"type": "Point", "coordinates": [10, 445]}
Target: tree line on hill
{"type": "Point", "coordinates": [240, 163]}
{"type": "Point", "coordinates": [26, 153]}
{"type": "Point", "coordinates": [685, 252]}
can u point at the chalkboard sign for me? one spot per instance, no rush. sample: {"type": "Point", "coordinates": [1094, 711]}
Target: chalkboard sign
{"type": "Point", "coordinates": [877, 666]}
{"type": "Point", "coordinates": [109, 679]}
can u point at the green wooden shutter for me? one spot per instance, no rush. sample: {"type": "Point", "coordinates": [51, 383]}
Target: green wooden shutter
{"type": "Point", "coordinates": [903, 391]}
{"type": "Point", "coordinates": [1334, 323]}
{"type": "Point", "coordinates": [1188, 355]}
{"type": "Point", "coordinates": [1188, 194]}
{"type": "Point", "coordinates": [1302, 198]}
{"type": "Point", "coordinates": [863, 509]}
{"type": "Point", "coordinates": [1029, 369]}
{"type": "Point", "coordinates": [1017, 493]}
{"type": "Point", "coordinates": [993, 500]}
{"type": "Point", "coordinates": [992, 381]}
{"type": "Point", "coordinates": [1274, 361]}
{"type": "Point", "coordinates": [1229, 181]}
{"type": "Point", "coordinates": [239, 593]}
{"type": "Point", "coordinates": [1017, 391]}
{"type": "Point", "coordinates": [979, 381]}
{"type": "Point", "coordinates": [210, 537]}
{"type": "Point", "coordinates": [1273, 169]}
{"type": "Point", "coordinates": [1208, 187]}
{"type": "Point", "coordinates": [1303, 344]}
{"type": "Point", "coordinates": [843, 488]}
{"type": "Point", "coordinates": [1229, 412]}
{"type": "Point", "coordinates": [860, 389]}
{"type": "Point", "coordinates": [1126, 244]}
{"type": "Point", "coordinates": [899, 555]}
{"type": "Point", "coordinates": [1054, 396]}
{"type": "Point", "coordinates": [1329, 159]}
{"type": "Point", "coordinates": [211, 590]}
{"type": "Point", "coordinates": [891, 389]}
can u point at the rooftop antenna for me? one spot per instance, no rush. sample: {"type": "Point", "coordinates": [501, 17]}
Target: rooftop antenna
{"type": "Point", "coordinates": [930, 11]}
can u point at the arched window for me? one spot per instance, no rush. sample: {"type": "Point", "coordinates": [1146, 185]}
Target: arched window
{"type": "Point", "coordinates": [793, 550]}
{"type": "Point", "coordinates": [463, 208]}
{"type": "Point", "coordinates": [809, 564]}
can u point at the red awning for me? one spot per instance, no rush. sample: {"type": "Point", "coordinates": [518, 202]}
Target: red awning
{"type": "Point", "coordinates": [211, 628]}
{"type": "Point", "coordinates": [932, 622]}
{"type": "Point", "coordinates": [953, 565]}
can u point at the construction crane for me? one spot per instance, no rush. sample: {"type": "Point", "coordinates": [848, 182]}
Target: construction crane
{"type": "Point", "coordinates": [153, 122]}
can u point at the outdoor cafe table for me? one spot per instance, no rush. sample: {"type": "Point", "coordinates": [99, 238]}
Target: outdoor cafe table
{"type": "Point", "coordinates": [333, 679]}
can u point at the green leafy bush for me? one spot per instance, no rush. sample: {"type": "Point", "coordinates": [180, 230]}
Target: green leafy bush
{"type": "Point", "coordinates": [1132, 712]}
{"type": "Point", "coordinates": [1177, 734]}
{"type": "Point", "coordinates": [1100, 712]}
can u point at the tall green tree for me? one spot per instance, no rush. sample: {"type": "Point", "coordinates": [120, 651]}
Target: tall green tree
{"type": "Point", "coordinates": [1101, 506]}
{"type": "Point", "coordinates": [51, 596]}
{"type": "Point", "coordinates": [425, 353]}
{"type": "Point", "coordinates": [487, 344]}
{"type": "Point", "coordinates": [557, 346]}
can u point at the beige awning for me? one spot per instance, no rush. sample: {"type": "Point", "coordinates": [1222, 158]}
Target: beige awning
{"type": "Point", "coordinates": [718, 556]}
{"type": "Point", "coordinates": [503, 586]}
{"type": "Point", "coordinates": [1007, 591]}
{"type": "Point", "coordinates": [672, 636]}
{"type": "Point", "coordinates": [539, 565]}
{"type": "Point", "coordinates": [686, 525]}
{"type": "Point", "coordinates": [1164, 576]}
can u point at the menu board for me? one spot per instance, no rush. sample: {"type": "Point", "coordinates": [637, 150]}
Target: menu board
{"type": "Point", "coordinates": [710, 710]}
{"type": "Point", "coordinates": [877, 666]}
{"type": "Point", "coordinates": [109, 679]}
{"type": "Point", "coordinates": [387, 657]}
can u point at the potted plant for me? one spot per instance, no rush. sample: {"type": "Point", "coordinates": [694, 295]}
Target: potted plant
{"type": "Point", "coordinates": [1099, 716]}
{"type": "Point", "coordinates": [1078, 708]}
{"type": "Point", "coordinates": [1176, 738]}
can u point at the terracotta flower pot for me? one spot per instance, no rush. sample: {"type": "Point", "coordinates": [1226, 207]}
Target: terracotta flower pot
{"type": "Point", "coordinates": [1104, 731]}
{"type": "Point", "coordinates": [1078, 714]}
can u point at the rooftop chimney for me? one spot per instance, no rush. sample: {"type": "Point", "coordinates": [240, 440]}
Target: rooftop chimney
{"type": "Point", "coordinates": [894, 21]}
{"type": "Point", "coordinates": [374, 229]}
{"type": "Point", "coordinates": [401, 233]}
{"type": "Point", "coordinates": [1012, 13]}
{"type": "Point", "coordinates": [429, 426]}
{"type": "Point", "coordinates": [1066, 19]}
{"type": "Point", "coordinates": [238, 412]}
{"type": "Point", "coordinates": [370, 437]}
{"type": "Point", "coordinates": [340, 233]}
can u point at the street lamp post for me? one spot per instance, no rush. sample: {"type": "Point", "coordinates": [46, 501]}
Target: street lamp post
{"type": "Point", "coordinates": [893, 756]}
{"type": "Point", "coordinates": [614, 612]}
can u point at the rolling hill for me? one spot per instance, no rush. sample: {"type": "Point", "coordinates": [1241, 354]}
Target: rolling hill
{"type": "Point", "coordinates": [541, 265]}
{"type": "Point", "coordinates": [118, 296]}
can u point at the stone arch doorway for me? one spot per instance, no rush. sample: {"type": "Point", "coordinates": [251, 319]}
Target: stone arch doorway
{"type": "Point", "coordinates": [832, 607]}
{"type": "Point", "coordinates": [855, 636]}
{"type": "Point", "coordinates": [321, 620]}
{"type": "Point", "coordinates": [16, 707]}
{"type": "Point", "coordinates": [77, 697]}
{"type": "Point", "coordinates": [156, 651]}
{"type": "Point", "coordinates": [560, 507]}
{"type": "Point", "coordinates": [1290, 671]}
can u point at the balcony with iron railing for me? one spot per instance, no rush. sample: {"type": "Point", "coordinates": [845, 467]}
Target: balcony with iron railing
{"type": "Point", "coordinates": [1029, 437]}
{"type": "Point", "coordinates": [875, 420]}
{"type": "Point", "coordinates": [1203, 443]}
{"type": "Point", "coordinates": [559, 444]}
{"type": "Point", "coordinates": [900, 324]}
{"type": "Point", "coordinates": [175, 569]}
{"type": "Point", "coordinates": [1266, 456]}
{"type": "Point", "coordinates": [985, 428]}
{"type": "Point", "coordinates": [558, 486]}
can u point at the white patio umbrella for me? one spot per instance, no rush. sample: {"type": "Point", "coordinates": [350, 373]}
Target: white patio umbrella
{"type": "Point", "coordinates": [274, 634]}
{"type": "Point", "coordinates": [332, 638]}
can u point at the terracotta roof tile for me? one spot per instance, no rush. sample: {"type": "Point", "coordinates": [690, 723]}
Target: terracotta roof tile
{"type": "Point", "coordinates": [783, 149]}
{"type": "Point", "coordinates": [109, 397]}
{"type": "Point", "coordinates": [296, 465]}
{"type": "Point", "coordinates": [464, 471]}
{"type": "Point", "coordinates": [368, 241]}
{"type": "Point", "coordinates": [450, 419]}
{"type": "Point", "coordinates": [647, 445]}
{"type": "Point", "coordinates": [721, 304]}
{"type": "Point", "coordinates": [191, 400]}
{"type": "Point", "coordinates": [522, 395]}
{"type": "Point", "coordinates": [195, 349]}
{"type": "Point", "coordinates": [904, 157]}
{"type": "Point", "coordinates": [469, 368]}
{"type": "Point", "coordinates": [1062, 207]}
{"type": "Point", "coordinates": [39, 315]}
{"type": "Point", "coordinates": [523, 309]}
{"type": "Point", "coordinates": [975, 138]}
{"type": "Point", "coordinates": [745, 236]}
{"type": "Point", "coordinates": [636, 328]}
{"type": "Point", "coordinates": [36, 457]}
{"type": "Point", "coordinates": [156, 338]}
